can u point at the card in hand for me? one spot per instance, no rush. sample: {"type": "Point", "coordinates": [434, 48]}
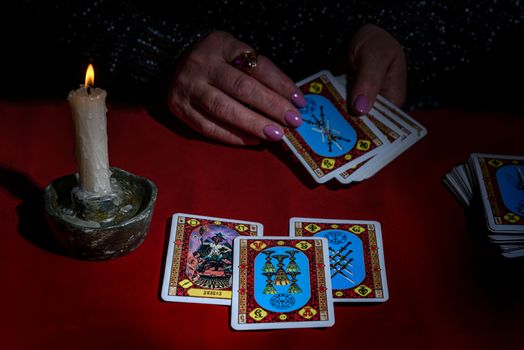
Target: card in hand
{"type": "Point", "coordinates": [330, 140]}
{"type": "Point", "coordinates": [366, 169]}
{"type": "Point", "coordinates": [501, 182]}
{"type": "Point", "coordinates": [383, 104]}
{"type": "Point", "coordinates": [356, 255]}
{"type": "Point", "coordinates": [199, 263]}
{"type": "Point", "coordinates": [281, 282]}
{"type": "Point", "coordinates": [383, 111]}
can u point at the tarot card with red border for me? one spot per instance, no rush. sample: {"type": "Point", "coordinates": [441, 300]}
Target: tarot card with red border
{"type": "Point", "coordinates": [410, 132]}
{"type": "Point", "coordinates": [281, 282]}
{"type": "Point", "coordinates": [199, 263]}
{"type": "Point", "coordinates": [501, 182]}
{"type": "Point", "coordinates": [366, 169]}
{"type": "Point", "coordinates": [330, 140]}
{"type": "Point", "coordinates": [358, 272]}
{"type": "Point", "coordinates": [383, 104]}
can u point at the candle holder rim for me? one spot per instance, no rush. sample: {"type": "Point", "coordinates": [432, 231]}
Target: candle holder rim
{"type": "Point", "coordinates": [140, 215]}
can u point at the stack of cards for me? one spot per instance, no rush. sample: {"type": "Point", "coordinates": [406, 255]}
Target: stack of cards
{"type": "Point", "coordinates": [275, 282]}
{"type": "Point", "coordinates": [496, 184]}
{"type": "Point", "coordinates": [331, 143]}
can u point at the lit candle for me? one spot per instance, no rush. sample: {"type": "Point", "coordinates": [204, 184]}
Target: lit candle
{"type": "Point", "coordinates": [89, 115]}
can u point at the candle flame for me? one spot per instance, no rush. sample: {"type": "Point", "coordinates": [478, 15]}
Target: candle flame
{"type": "Point", "coordinates": [90, 76]}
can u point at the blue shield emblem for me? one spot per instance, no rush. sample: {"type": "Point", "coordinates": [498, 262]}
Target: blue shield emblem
{"type": "Point", "coordinates": [282, 280]}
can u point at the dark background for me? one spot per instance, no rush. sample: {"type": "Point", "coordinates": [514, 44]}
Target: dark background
{"type": "Point", "coordinates": [36, 65]}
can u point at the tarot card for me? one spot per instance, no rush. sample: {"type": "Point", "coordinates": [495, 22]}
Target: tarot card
{"type": "Point", "coordinates": [506, 238]}
{"type": "Point", "coordinates": [358, 272]}
{"type": "Point", "coordinates": [399, 117]}
{"type": "Point", "coordinates": [459, 183]}
{"type": "Point", "coordinates": [501, 182]}
{"type": "Point", "coordinates": [394, 118]}
{"type": "Point", "coordinates": [281, 282]}
{"type": "Point", "coordinates": [413, 131]}
{"type": "Point", "coordinates": [456, 188]}
{"type": "Point", "coordinates": [365, 169]}
{"type": "Point", "coordinates": [383, 104]}
{"type": "Point", "coordinates": [513, 253]}
{"type": "Point", "coordinates": [199, 263]}
{"type": "Point", "coordinates": [409, 135]}
{"type": "Point", "coordinates": [462, 175]}
{"type": "Point", "coordinates": [330, 140]}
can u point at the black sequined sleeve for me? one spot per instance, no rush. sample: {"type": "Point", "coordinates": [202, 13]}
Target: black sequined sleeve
{"type": "Point", "coordinates": [136, 44]}
{"type": "Point", "coordinates": [442, 38]}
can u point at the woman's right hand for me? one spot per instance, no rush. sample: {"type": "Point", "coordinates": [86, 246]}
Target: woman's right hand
{"type": "Point", "coordinates": [226, 104]}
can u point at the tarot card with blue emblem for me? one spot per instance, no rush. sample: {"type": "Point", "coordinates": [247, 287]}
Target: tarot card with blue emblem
{"type": "Point", "coordinates": [491, 188]}
{"type": "Point", "coordinates": [330, 140]}
{"type": "Point", "coordinates": [281, 282]}
{"type": "Point", "coordinates": [501, 182]}
{"type": "Point", "coordinates": [356, 256]}
{"type": "Point", "coordinates": [199, 262]}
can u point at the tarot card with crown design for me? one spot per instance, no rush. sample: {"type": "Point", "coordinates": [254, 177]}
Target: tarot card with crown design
{"type": "Point", "coordinates": [281, 282]}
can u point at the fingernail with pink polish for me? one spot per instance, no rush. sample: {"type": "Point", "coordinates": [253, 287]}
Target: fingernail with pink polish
{"type": "Point", "coordinates": [293, 119]}
{"type": "Point", "coordinates": [297, 98]}
{"type": "Point", "coordinates": [361, 104]}
{"type": "Point", "coordinates": [273, 132]}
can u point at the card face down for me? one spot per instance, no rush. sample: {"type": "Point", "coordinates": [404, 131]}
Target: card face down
{"type": "Point", "coordinates": [356, 255]}
{"type": "Point", "coordinates": [281, 282]}
{"type": "Point", "coordinates": [501, 182]}
{"type": "Point", "coordinates": [199, 263]}
{"type": "Point", "coordinates": [330, 140]}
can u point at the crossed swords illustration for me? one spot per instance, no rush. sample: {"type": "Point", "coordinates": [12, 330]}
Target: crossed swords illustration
{"type": "Point", "coordinates": [340, 262]}
{"type": "Point", "coordinates": [324, 129]}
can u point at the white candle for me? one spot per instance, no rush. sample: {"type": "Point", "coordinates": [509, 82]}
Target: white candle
{"type": "Point", "coordinates": [89, 115]}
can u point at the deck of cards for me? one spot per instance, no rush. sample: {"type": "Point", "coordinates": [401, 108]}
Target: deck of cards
{"type": "Point", "coordinates": [493, 187]}
{"type": "Point", "coordinates": [332, 144]}
{"type": "Point", "coordinates": [275, 281]}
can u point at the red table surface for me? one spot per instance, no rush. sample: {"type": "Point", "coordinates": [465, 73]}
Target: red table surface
{"type": "Point", "coordinates": [445, 291]}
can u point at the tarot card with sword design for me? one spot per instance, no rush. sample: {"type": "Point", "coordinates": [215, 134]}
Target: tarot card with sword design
{"type": "Point", "coordinates": [330, 140]}
{"type": "Point", "coordinates": [356, 256]}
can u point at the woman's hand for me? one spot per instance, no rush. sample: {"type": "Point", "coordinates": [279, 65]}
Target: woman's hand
{"type": "Point", "coordinates": [379, 66]}
{"type": "Point", "coordinates": [226, 104]}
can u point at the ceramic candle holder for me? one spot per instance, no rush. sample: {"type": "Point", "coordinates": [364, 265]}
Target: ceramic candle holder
{"type": "Point", "coordinates": [91, 227]}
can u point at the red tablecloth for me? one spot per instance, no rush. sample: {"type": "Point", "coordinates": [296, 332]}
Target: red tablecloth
{"type": "Point", "coordinates": [445, 292]}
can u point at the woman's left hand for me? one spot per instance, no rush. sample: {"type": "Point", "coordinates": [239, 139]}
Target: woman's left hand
{"type": "Point", "coordinates": [379, 67]}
